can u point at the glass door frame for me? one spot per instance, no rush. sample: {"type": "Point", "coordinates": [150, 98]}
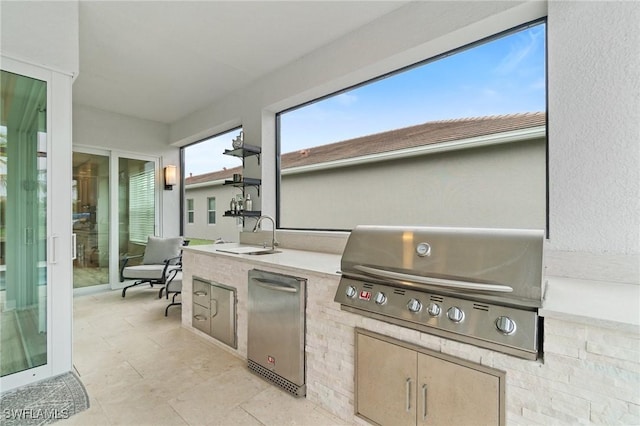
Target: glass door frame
{"type": "Point", "coordinates": [58, 237]}
{"type": "Point", "coordinates": [114, 242]}
{"type": "Point", "coordinates": [105, 153]}
{"type": "Point", "coordinates": [114, 207]}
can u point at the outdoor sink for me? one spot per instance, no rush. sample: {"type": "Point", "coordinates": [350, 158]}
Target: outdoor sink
{"type": "Point", "coordinates": [265, 251]}
{"type": "Point", "coordinates": [249, 250]}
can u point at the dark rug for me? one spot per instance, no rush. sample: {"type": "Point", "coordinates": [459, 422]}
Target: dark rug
{"type": "Point", "coordinates": [44, 402]}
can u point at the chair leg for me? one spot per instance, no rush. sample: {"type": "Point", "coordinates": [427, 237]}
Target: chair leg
{"type": "Point", "coordinates": [166, 311]}
{"type": "Point", "coordinates": [160, 293]}
{"type": "Point", "coordinates": [173, 303]}
{"type": "Point", "coordinates": [124, 290]}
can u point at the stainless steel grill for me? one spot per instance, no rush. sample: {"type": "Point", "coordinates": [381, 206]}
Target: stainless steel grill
{"type": "Point", "coordinates": [478, 286]}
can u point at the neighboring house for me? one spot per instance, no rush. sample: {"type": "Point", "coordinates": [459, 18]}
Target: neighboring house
{"type": "Point", "coordinates": [429, 174]}
{"type": "Point", "coordinates": [206, 199]}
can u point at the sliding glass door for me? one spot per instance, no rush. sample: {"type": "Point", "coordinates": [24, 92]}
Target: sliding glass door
{"type": "Point", "coordinates": [114, 201]}
{"type": "Point", "coordinates": [90, 205]}
{"type": "Point", "coordinates": [136, 204]}
{"type": "Point", "coordinates": [23, 223]}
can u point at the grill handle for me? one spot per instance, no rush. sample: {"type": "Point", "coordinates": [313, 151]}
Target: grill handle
{"type": "Point", "coordinates": [433, 281]}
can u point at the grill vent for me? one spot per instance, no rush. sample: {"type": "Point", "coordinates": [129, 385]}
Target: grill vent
{"type": "Point", "coordinates": [436, 299]}
{"type": "Point", "coordinates": [398, 291]}
{"type": "Point", "coordinates": [367, 286]}
{"type": "Point", "coordinates": [480, 307]}
{"type": "Point", "coordinates": [281, 382]}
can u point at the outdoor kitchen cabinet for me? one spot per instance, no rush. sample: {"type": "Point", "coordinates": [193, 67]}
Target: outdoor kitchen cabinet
{"type": "Point", "coordinates": [398, 383]}
{"type": "Point", "coordinates": [214, 310]}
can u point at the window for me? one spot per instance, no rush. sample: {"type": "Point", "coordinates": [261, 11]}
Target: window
{"type": "Point", "coordinates": [211, 212]}
{"type": "Point", "coordinates": [457, 140]}
{"type": "Point", "coordinates": [190, 212]}
{"type": "Point", "coordinates": [142, 204]}
{"type": "Point", "coordinates": [206, 169]}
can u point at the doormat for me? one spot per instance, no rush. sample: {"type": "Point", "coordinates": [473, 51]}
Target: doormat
{"type": "Point", "coordinates": [44, 402]}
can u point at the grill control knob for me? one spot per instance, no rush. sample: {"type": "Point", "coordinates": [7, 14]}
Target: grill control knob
{"type": "Point", "coordinates": [380, 298]}
{"type": "Point", "coordinates": [455, 314]}
{"type": "Point", "coordinates": [433, 309]}
{"type": "Point", "coordinates": [414, 305]}
{"type": "Point", "coordinates": [505, 325]}
{"type": "Point", "coordinates": [351, 292]}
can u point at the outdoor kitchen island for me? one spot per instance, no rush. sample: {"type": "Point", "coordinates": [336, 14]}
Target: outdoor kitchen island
{"type": "Point", "coordinates": [588, 373]}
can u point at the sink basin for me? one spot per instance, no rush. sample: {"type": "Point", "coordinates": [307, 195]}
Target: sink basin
{"type": "Point", "coordinates": [248, 250]}
{"type": "Point", "coordinates": [265, 251]}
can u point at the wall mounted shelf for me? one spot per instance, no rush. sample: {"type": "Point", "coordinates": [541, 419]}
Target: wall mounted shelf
{"type": "Point", "coordinates": [243, 152]}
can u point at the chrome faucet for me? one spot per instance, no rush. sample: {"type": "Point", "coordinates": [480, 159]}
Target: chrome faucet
{"type": "Point", "coordinates": [274, 243]}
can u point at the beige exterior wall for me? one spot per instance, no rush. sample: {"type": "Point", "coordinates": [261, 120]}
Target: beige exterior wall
{"type": "Point", "coordinates": [500, 186]}
{"type": "Point", "coordinates": [225, 227]}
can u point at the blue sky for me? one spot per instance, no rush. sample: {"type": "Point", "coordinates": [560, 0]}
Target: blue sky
{"type": "Point", "coordinates": [503, 76]}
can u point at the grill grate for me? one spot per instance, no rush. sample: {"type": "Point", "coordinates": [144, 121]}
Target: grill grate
{"type": "Point", "coordinates": [281, 382]}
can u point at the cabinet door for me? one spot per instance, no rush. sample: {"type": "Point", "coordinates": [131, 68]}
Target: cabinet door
{"type": "Point", "coordinates": [386, 382]}
{"type": "Point", "coordinates": [452, 394]}
{"type": "Point", "coordinates": [223, 315]}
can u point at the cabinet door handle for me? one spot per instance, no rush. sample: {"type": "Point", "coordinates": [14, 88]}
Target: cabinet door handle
{"type": "Point", "coordinates": [199, 318]}
{"type": "Point", "coordinates": [214, 307]}
{"type": "Point", "coordinates": [408, 395]}
{"type": "Point", "coordinates": [200, 293]}
{"type": "Point", "coordinates": [424, 402]}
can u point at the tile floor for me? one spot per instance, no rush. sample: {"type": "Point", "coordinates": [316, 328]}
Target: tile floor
{"type": "Point", "coordinates": [140, 367]}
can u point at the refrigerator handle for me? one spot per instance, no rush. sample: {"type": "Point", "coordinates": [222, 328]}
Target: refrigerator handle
{"type": "Point", "coordinates": [275, 285]}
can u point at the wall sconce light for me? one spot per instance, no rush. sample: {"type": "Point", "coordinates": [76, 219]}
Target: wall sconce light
{"type": "Point", "coordinates": [170, 177]}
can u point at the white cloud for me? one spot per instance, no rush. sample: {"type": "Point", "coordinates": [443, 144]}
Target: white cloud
{"type": "Point", "coordinates": [523, 46]}
{"type": "Point", "coordinates": [346, 99]}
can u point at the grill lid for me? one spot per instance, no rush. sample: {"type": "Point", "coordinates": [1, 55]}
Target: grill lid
{"type": "Point", "coordinates": [503, 265]}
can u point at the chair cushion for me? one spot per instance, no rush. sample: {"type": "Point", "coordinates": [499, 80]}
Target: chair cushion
{"type": "Point", "coordinates": [160, 249]}
{"type": "Point", "coordinates": [142, 272]}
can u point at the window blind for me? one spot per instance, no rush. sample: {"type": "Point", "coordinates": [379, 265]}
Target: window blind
{"type": "Point", "coordinates": [141, 206]}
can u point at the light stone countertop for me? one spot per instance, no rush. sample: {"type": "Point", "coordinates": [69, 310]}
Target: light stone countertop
{"type": "Point", "coordinates": [591, 302]}
{"type": "Point", "coordinates": [607, 304]}
{"type": "Point", "coordinates": [295, 260]}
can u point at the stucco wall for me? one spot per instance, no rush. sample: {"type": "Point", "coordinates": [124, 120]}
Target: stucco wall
{"type": "Point", "coordinates": [43, 33]}
{"type": "Point", "coordinates": [594, 134]}
{"type": "Point", "coordinates": [500, 186]}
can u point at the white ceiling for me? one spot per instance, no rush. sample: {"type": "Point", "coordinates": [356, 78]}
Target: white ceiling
{"type": "Point", "coordinates": [163, 60]}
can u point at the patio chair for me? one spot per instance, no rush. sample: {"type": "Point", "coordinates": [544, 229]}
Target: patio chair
{"type": "Point", "coordinates": [161, 256]}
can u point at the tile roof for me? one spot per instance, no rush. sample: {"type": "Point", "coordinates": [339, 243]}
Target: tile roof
{"type": "Point", "coordinates": [429, 133]}
{"type": "Point", "coordinates": [209, 177]}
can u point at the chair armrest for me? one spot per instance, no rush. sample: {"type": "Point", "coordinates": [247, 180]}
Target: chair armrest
{"type": "Point", "coordinates": [125, 259]}
{"type": "Point", "coordinates": [172, 274]}
{"type": "Point", "coordinates": [176, 261]}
